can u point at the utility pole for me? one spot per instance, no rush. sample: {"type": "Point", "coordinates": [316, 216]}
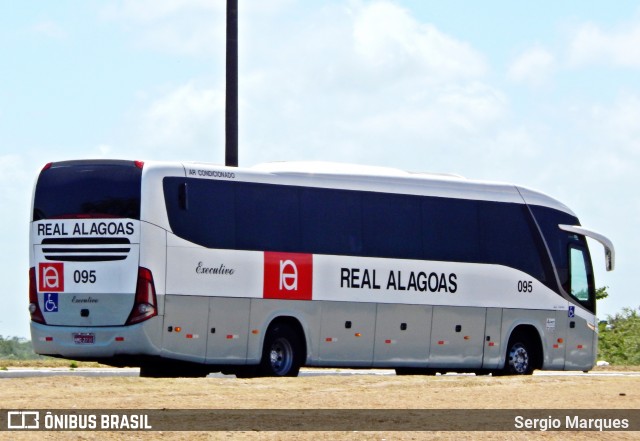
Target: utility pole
{"type": "Point", "coordinates": [231, 110]}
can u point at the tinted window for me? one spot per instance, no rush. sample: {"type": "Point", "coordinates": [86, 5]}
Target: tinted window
{"type": "Point", "coordinates": [209, 219]}
{"type": "Point", "coordinates": [240, 215]}
{"type": "Point", "coordinates": [557, 240]}
{"type": "Point", "coordinates": [331, 221]}
{"type": "Point", "coordinates": [450, 230]}
{"type": "Point", "coordinates": [391, 226]}
{"type": "Point", "coordinates": [507, 238]}
{"type": "Point", "coordinates": [88, 189]}
{"type": "Point", "coordinates": [267, 217]}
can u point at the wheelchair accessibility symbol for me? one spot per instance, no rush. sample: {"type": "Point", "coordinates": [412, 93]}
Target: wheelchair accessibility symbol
{"type": "Point", "coordinates": [51, 302]}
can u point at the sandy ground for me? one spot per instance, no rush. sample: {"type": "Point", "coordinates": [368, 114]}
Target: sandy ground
{"type": "Point", "coordinates": [322, 392]}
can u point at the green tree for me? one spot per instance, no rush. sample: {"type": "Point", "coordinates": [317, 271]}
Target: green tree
{"type": "Point", "coordinates": [620, 338]}
{"type": "Point", "coordinates": [601, 293]}
{"type": "Point", "coordinates": [16, 348]}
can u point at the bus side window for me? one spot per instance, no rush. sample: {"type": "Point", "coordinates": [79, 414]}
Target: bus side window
{"type": "Point", "coordinates": [579, 279]}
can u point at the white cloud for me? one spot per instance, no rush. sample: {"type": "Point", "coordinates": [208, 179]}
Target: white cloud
{"type": "Point", "coordinates": [16, 183]}
{"type": "Point", "coordinates": [361, 79]}
{"type": "Point", "coordinates": [618, 47]}
{"type": "Point", "coordinates": [181, 120]}
{"type": "Point", "coordinates": [618, 127]}
{"type": "Point", "coordinates": [12, 170]}
{"type": "Point", "coordinates": [388, 37]}
{"type": "Point", "coordinates": [156, 10]}
{"type": "Point", "coordinates": [437, 117]}
{"type": "Point", "coordinates": [184, 27]}
{"type": "Point", "coordinates": [104, 150]}
{"type": "Point", "coordinates": [49, 29]}
{"type": "Point", "coordinates": [532, 67]}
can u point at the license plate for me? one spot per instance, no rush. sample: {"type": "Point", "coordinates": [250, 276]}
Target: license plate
{"type": "Point", "coordinates": [84, 339]}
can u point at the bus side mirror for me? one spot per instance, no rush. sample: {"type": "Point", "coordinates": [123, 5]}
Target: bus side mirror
{"type": "Point", "coordinates": [609, 251]}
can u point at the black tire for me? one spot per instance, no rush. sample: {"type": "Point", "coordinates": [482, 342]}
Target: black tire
{"type": "Point", "coordinates": [521, 356]}
{"type": "Point", "coordinates": [415, 371]}
{"type": "Point", "coordinates": [163, 369]}
{"type": "Point", "coordinates": [282, 353]}
{"type": "Point", "coordinates": [246, 371]}
{"type": "Point", "coordinates": [156, 369]}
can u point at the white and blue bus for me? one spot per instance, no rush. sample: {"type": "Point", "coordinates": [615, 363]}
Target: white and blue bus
{"type": "Point", "coordinates": [186, 268]}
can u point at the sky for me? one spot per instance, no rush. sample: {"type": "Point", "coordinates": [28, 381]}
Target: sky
{"type": "Point", "coordinates": [541, 94]}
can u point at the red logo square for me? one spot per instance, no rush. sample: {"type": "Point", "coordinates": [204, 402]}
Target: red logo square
{"type": "Point", "coordinates": [288, 276]}
{"type": "Point", "coordinates": [51, 277]}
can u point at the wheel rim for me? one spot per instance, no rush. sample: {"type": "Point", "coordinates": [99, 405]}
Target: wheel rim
{"type": "Point", "coordinates": [281, 356]}
{"type": "Point", "coordinates": [519, 358]}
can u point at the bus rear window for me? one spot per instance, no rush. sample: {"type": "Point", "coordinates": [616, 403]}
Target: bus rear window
{"type": "Point", "coordinates": [88, 189]}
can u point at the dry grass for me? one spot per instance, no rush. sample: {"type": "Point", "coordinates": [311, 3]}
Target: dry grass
{"type": "Point", "coordinates": [46, 363]}
{"type": "Point", "coordinates": [50, 362]}
{"type": "Point", "coordinates": [322, 392]}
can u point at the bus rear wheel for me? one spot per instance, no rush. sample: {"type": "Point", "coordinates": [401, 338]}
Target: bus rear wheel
{"type": "Point", "coordinates": [282, 354]}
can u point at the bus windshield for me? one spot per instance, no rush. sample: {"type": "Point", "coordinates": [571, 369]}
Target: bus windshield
{"type": "Point", "coordinates": [88, 189]}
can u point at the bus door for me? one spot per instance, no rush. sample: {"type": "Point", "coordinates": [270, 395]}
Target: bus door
{"type": "Point", "coordinates": [580, 350]}
{"type": "Point", "coordinates": [493, 331]}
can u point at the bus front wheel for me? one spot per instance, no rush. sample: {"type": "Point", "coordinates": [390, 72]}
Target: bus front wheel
{"type": "Point", "coordinates": [520, 356]}
{"type": "Point", "coordinates": [281, 356]}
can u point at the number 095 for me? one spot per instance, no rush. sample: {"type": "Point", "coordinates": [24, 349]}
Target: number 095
{"type": "Point", "coordinates": [525, 286]}
{"type": "Point", "coordinates": [84, 276]}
